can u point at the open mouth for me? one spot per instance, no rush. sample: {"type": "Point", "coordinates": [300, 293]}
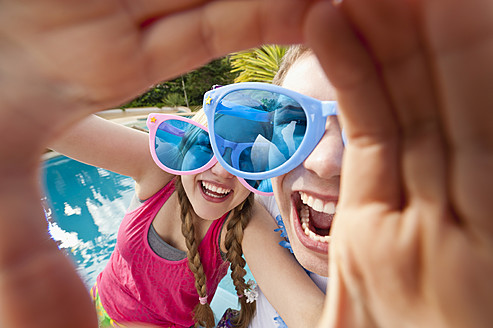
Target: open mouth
{"type": "Point", "coordinates": [315, 216]}
{"type": "Point", "coordinates": [214, 191]}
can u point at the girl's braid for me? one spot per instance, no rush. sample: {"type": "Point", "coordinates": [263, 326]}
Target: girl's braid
{"type": "Point", "coordinates": [203, 315]}
{"type": "Point", "coordinates": [240, 217]}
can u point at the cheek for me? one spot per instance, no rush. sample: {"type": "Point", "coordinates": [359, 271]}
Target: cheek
{"type": "Point", "coordinates": [245, 192]}
{"type": "Point", "coordinates": [241, 194]}
{"type": "Point", "coordinates": [188, 183]}
{"type": "Point", "coordinates": [277, 188]}
{"type": "Point", "coordinates": [280, 189]}
{"type": "Point", "coordinates": [282, 195]}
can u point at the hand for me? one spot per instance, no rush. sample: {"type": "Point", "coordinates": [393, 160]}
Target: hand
{"type": "Point", "coordinates": [412, 242]}
{"type": "Point", "coordinates": [78, 57]}
{"type": "Point", "coordinates": [61, 60]}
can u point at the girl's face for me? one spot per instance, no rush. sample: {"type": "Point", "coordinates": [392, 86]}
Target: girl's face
{"type": "Point", "coordinates": [214, 192]}
{"type": "Point", "coordinates": [313, 185]}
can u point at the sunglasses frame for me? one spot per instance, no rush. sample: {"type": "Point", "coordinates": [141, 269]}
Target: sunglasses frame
{"type": "Point", "coordinates": [154, 120]}
{"type": "Point", "coordinates": [314, 110]}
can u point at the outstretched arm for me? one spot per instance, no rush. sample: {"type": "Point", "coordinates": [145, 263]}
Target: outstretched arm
{"type": "Point", "coordinates": [412, 244]}
{"type": "Point", "coordinates": [115, 147]}
{"type": "Point", "coordinates": [280, 277]}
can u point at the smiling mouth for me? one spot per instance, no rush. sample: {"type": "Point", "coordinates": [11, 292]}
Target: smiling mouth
{"type": "Point", "coordinates": [214, 191]}
{"type": "Point", "coordinates": [315, 216]}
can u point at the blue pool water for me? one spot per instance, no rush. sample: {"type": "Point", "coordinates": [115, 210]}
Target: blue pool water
{"type": "Point", "coordinates": [84, 206]}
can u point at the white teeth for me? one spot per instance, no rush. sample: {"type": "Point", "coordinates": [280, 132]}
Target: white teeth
{"type": "Point", "coordinates": [305, 225]}
{"type": "Point", "coordinates": [318, 204]}
{"type": "Point", "coordinates": [330, 208]}
{"type": "Point", "coordinates": [211, 187]}
{"type": "Point", "coordinates": [305, 214]}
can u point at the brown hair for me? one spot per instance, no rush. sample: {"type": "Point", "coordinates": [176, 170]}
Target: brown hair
{"type": "Point", "coordinates": [239, 218]}
{"type": "Point", "coordinates": [294, 53]}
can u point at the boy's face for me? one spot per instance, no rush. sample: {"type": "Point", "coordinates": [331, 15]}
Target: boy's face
{"type": "Point", "coordinates": [311, 190]}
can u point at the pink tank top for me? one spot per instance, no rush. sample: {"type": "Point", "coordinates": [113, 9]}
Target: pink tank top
{"type": "Point", "coordinates": [139, 286]}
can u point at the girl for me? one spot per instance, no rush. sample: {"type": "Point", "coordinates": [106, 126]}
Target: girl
{"type": "Point", "coordinates": [172, 250]}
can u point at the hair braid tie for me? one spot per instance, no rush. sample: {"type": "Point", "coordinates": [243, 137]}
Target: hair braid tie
{"type": "Point", "coordinates": [203, 300]}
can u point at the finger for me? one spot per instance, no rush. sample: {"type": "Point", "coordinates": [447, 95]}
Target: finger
{"type": "Point", "coordinates": [39, 286]}
{"type": "Point", "coordinates": [61, 11]}
{"type": "Point", "coordinates": [366, 114]}
{"type": "Point", "coordinates": [344, 306]}
{"type": "Point", "coordinates": [369, 214]}
{"type": "Point", "coordinates": [216, 29]}
{"type": "Point", "coordinates": [144, 12]}
{"type": "Point", "coordinates": [113, 58]}
{"type": "Point", "coordinates": [461, 49]}
{"type": "Point", "coordinates": [173, 44]}
{"type": "Point", "coordinates": [391, 31]}
{"type": "Point", "coordinates": [371, 181]}
{"type": "Point", "coordinates": [461, 40]}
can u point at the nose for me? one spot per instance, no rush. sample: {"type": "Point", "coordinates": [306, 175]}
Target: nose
{"type": "Point", "coordinates": [326, 159]}
{"type": "Point", "coordinates": [218, 170]}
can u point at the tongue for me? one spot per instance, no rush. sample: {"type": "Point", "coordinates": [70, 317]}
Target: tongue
{"type": "Point", "coordinates": [321, 221]}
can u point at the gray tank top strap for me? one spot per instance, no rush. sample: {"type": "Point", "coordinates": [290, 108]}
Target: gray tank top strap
{"type": "Point", "coordinates": [161, 247]}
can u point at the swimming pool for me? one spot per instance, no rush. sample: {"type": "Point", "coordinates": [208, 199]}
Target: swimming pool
{"type": "Point", "coordinates": [84, 206]}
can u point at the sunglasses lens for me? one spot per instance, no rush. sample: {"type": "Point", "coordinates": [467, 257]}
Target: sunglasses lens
{"type": "Point", "coordinates": [182, 146]}
{"type": "Point", "coordinates": [256, 130]}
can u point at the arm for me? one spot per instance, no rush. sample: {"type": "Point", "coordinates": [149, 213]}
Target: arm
{"type": "Point", "coordinates": [283, 281]}
{"type": "Point", "coordinates": [114, 147]}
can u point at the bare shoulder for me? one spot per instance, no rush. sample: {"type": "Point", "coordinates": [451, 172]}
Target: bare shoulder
{"type": "Point", "coordinates": [150, 182]}
{"type": "Point", "coordinates": [258, 210]}
{"type": "Point", "coordinates": [261, 221]}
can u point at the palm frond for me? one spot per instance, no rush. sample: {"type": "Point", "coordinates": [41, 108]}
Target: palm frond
{"type": "Point", "coordinates": [258, 64]}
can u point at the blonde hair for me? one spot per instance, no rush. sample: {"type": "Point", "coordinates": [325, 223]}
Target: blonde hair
{"type": "Point", "coordinates": [200, 117]}
{"type": "Point", "coordinates": [238, 220]}
{"type": "Point", "coordinates": [292, 55]}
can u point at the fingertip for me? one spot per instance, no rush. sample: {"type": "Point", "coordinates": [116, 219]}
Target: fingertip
{"type": "Point", "coordinates": [340, 51]}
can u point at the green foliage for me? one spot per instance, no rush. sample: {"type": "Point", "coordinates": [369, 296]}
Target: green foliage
{"type": "Point", "coordinates": [174, 100]}
{"type": "Point", "coordinates": [201, 80]}
{"type": "Point", "coordinates": [196, 84]}
{"type": "Point", "coordinates": [152, 98]}
{"type": "Point", "coordinates": [258, 64]}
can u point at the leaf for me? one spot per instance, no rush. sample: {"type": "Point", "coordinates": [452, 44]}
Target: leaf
{"type": "Point", "coordinates": [258, 64]}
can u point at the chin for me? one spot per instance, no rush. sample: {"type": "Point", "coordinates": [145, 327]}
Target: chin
{"type": "Point", "coordinates": [311, 261]}
{"type": "Point", "coordinates": [308, 217]}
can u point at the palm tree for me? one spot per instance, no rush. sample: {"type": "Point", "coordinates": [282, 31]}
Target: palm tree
{"type": "Point", "coordinates": [174, 100]}
{"type": "Point", "coordinates": [257, 64]}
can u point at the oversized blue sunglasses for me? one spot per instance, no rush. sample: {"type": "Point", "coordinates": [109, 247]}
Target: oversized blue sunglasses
{"type": "Point", "coordinates": [260, 131]}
